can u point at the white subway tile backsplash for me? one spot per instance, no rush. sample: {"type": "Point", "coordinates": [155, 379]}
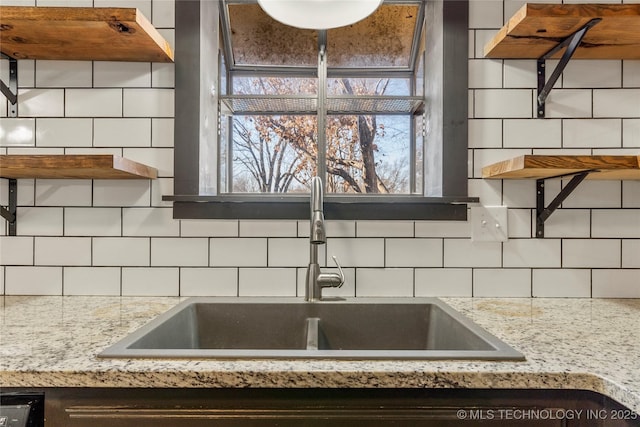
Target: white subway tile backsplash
{"type": "Point", "coordinates": [92, 222]}
{"type": "Point", "coordinates": [485, 74]}
{"type": "Point", "coordinates": [290, 252]}
{"type": "Point", "coordinates": [40, 221]}
{"type": "Point", "coordinates": [142, 281]}
{"type": "Point", "coordinates": [485, 14]}
{"type": "Point", "coordinates": [238, 252]}
{"type": "Point", "coordinates": [84, 107]}
{"type": "Point", "coordinates": [63, 192]}
{"type": "Point", "coordinates": [91, 281]}
{"type": "Point", "coordinates": [631, 194]}
{"type": "Point", "coordinates": [511, 283]}
{"type": "Point", "coordinates": [520, 133]}
{"type": "Point", "coordinates": [258, 282]}
{"type": "Point", "coordinates": [443, 229]}
{"type": "Point", "coordinates": [121, 74]}
{"type": "Point", "coordinates": [630, 253]}
{"type": "Point", "coordinates": [148, 103]}
{"type": "Point", "coordinates": [16, 250]}
{"type": "Point", "coordinates": [595, 194]}
{"type": "Point", "coordinates": [621, 223]}
{"type": "Point", "coordinates": [93, 102]}
{"type": "Point", "coordinates": [156, 222]}
{"type": "Point", "coordinates": [121, 192]}
{"type": "Point", "coordinates": [220, 282]}
{"type": "Point", "coordinates": [568, 223]}
{"type": "Point", "coordinates": [384, 229]}
{"type": "Point", "coordinates": [631, 133]}
{"type": "Point", "coordinates": [616, 103]}
{"type": "Point", "coordinates": [519, 193]}
{"type": "Point", "coordinates": [209, 227]}
{"type": "Point", "coordinates": [269, 228]}
{"type": "Point", "coordinates": [520, 223]}
{"type": "Point", "coordinates": [163, 14]}
{"type": "Point", "coordinates": [532, 252]}
{"type": "Point", "coordinates": [384, 282]}
{"type": "Point", "coordinates": [64, 132]}
{"type": "Point", "coordinates": [17, 132]}
{"type": "Point", "coordinates": [465, 253]}
{"type": "Point", "coordinates": [41, 102]}
{"type": "Point", "coordinates": [620, 283]}
{"type": "Point", "coordinates": [122, 133]}
{"type": "Point", "coordinates": [520, 73]}
{"type": "Point", "coordinates": [62, 251]}
{"type": "Point", "coordinates": [163, 75]}
{"type": "Point", "coordinates": [413, 252]}
{"type": "Point", "coordinates": [33, 281]}
{"type": "Point", "coordinates": [580, 74]}
{"type": "Point", "coordinates": [574, 103]}
{"type": "Point", "coordinates": [503, 103]}
{"type": "Point", "coordinates": [443, 282]}
{"type": "Point", "coordinates": [587, 133]}
{"type": "Point", "coordinates": [360, 252]}
{"type": "Point", "coordinates": [162, 132]}
{"type": "Point", "coordinates": [631, 73]}
{"type": "Point", "coordinates": [591, 253]}
{"type": "Point", "coordinates": [63, 74]}
{"type": "Point", "coordinates": [566, 282]}
{"type": "Point", "coordinates": [485, 133]}
{"type": "Point", "coordinates": [121, 251]}
{"type": "Point", "coordinates": [175, 251]}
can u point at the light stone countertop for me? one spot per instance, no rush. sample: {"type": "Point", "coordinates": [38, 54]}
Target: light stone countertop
{"type": "Point", "coordinates": [591, 344]}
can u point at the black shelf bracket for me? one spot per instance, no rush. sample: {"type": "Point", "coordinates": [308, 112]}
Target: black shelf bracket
{"type": "Point", "coordinates": [571, 43]}
{"type": "Point", "coordinates": [542, 212]}
{"type": "Point", "coordinates": [11, 90]}
{"type": "Point", "coordinates": [9, 213]}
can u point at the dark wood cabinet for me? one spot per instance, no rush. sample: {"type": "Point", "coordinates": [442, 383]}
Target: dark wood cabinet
{"type": "Point", "coordinates": [332, 408]}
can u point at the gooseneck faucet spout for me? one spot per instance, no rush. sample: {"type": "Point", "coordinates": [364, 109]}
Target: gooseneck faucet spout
{"type": "Point", "coordinates": [316, 280]}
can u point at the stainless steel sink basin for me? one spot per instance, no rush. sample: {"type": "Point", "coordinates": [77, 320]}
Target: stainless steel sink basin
{"type": "Point", "coordinates": [422, 328]}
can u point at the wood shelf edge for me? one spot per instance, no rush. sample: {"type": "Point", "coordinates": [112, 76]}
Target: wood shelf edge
{"type": "Point", "coordinates": [81, 33]}
{"type": "Point", "coordinates": [70, 166]}
{"type": "Point", "coordinates": [531, 166]}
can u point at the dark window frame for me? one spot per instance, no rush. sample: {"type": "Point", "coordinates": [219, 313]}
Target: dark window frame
{"type": "Point", "coordinates": [446, 114]}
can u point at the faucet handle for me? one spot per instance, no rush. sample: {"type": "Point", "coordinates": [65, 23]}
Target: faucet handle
{"type": "Point", "coordinates": [335, 259]}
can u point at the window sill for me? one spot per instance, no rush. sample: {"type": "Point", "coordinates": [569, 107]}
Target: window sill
{"type": "Point", "coordinates": [336, 207]}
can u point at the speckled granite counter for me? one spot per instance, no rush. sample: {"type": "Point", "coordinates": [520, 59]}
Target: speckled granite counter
{"type": "Point", "coordinates": [590, 344]}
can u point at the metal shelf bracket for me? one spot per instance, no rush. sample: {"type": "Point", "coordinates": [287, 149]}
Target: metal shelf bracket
{"type": "Point", "coordinates": [542, 212]}
{"type": "Point", "coordinates": [11, 91]}
{"type": "Point", "coordinates": [571, 43]}
{"type": "Point", "coordinates": [10, 213]}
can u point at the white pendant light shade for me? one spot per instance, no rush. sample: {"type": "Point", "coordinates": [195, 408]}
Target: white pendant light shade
{"type": "Point", "coordinates": [319, 14]}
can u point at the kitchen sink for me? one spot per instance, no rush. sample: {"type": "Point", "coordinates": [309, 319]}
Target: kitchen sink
{"type": "Point", "coordinates": [391, 328]}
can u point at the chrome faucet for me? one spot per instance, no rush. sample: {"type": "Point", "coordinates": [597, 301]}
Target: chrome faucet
{"type": "Point", "coordinates": [316, 280]}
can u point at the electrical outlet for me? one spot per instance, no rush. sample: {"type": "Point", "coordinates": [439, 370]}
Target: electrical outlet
{"type": "Point", "coordinates": [489, 224]}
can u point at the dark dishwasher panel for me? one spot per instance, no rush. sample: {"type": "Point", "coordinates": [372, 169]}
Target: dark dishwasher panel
{"type": "Point", "coordinates": [21, 409]}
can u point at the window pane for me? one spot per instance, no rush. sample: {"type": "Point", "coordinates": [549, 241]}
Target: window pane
{"type": "Point", "coordinates": [368, 154]}
{"type": "Point", "coordinates": [257, 39]}
{"type": "Point", "coordinates": [273, 154]}
{"type": "Point", "coordinates": [369, 86]}
{"type": "Point", "coordinates": [274, 85]}
{"type": "Point", "coordinates": [384, 39]}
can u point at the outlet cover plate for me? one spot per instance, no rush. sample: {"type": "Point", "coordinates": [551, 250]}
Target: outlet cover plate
{"type": "Point", "coordinates": [489, 224]}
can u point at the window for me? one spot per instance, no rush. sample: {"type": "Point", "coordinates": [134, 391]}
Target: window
{"type": "Point", "coordinates": [377, 109]}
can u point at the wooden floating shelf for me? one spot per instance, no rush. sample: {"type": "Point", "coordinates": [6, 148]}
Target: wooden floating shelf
{"type": "Point", "coordinates": [80, 33]}
{"type": "Point", "coordinates": [100, 166]}
{"type": "Point", "coordinates": [545, 167]}
{"type": "Point", "coordinates": [537, 28]}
